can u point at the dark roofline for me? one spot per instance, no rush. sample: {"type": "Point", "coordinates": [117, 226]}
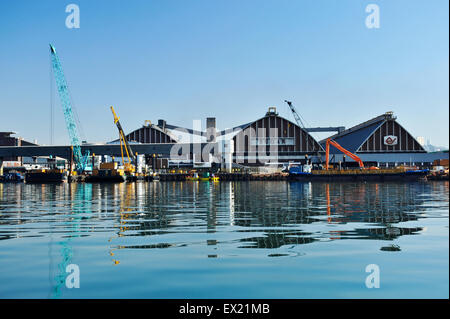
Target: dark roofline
{"type": "Point", "coordinates": [241, 127]}
{"type": "Point", "coordinates": [383, 117]}
{"type": "Point", "coordinates": [203, 133]}
{"type": "Point", "coordinates": [269, 114]}
{"type": "Point", "coordinates": [8, 133]}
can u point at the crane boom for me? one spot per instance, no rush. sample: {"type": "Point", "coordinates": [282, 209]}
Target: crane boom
{"type": "Point", "coordinates": [343, 150]}
{"type": "Point", "coordinates": [123, 139]}
{"type": "Point", "coordinates": [296, 116]}
{"type": "Point", "coordinates": [75, 141]}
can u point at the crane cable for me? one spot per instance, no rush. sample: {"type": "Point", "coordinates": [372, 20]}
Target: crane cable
{"type": "Point", "coordinates": [51, 101]}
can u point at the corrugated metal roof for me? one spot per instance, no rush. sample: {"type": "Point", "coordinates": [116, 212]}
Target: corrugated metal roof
{"type": "Point", "coordinates": [354, 140]}
{"type": "Point", "coordinates": [358, 127]}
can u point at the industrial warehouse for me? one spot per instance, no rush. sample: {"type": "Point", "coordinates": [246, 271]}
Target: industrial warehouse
{"type": "Point", "coordinates": [274, 139]}
{"type": "Point", "coordinates": [270, 139]}
{"type": "Point", "coordinates": [231, 157]}
{"type": "Point", "coordinates": [269, 143]}
{"type": "Point", "coordinates": [379, 148]}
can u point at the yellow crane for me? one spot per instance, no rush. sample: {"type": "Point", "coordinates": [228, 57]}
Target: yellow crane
{"type": "Point", "coordinates": [129, 167]}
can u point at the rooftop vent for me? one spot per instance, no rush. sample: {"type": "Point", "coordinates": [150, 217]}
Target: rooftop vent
{"type": "Point", "coordinates": [389, 115]}
{"type": "Point", "coordinates": [210, 129]}
{"type": "Point", "coordinates": [162, 124]}
{"type": "Point", "coordinates": [272, 111]}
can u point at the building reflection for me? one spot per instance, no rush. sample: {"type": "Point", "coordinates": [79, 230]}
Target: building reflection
{"type": "Point", "coordinates": [272, 215]}
{"type": "Point", "coordinates": [374, 211]}
{"type": "Point", "coordinates": [240, 214]}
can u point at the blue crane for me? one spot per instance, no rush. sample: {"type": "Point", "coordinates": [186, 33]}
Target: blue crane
{"type": "Point", "coordinates": [75, 141]}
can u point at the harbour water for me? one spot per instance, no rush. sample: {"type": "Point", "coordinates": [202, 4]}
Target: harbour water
{"type": "Point", "coordinates": [256, 239]}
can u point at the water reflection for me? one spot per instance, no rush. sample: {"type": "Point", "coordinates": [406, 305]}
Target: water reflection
{"type": "Point", "coordinates": [80, 199]}
{"type": "Point", "coordinates": [228, 214]}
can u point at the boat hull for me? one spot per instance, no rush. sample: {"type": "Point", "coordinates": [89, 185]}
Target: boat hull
{"type": "Point", "coordinates": [209, 179]}
{"type": "Point", "coordinates": [408, 176]}
{"type": "Point", "coordinates": [11, 178]}
{"type": "Point", "coordinates": [203, 179]}
{"type": "Point", "coordinates": [45, 177]}
{"type": "Point", "coordinates": [105, 179]}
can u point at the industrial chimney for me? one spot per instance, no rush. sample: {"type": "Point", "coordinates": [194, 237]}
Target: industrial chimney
{"type": "Point", "coordinates": [210, 129]}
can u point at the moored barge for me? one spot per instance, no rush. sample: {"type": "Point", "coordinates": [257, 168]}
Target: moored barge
{"type": "Point", "coordinates": [355, 175]}
{"type": "Point", "coordinates": [46, 176]}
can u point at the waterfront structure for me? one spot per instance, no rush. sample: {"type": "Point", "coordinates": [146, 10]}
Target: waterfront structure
{"type": "Point", "coordinates": [271, 139]}
{"type": "Point", "coordinates": [151, 133]}
{"type": "Point", "coordinates": [6, 139]}
{"type": "Point", "coordinates": [267, 140]}
{"type": "Point", "coordinates": [384, 142]}
{"type": "Point", "coordinates": [275, 140]}
{"type": "Point", "coordinates": [382, 134]}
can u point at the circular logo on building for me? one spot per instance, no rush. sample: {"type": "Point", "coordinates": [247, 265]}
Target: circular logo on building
{"type": "Point", "coordinates": [390, 140]}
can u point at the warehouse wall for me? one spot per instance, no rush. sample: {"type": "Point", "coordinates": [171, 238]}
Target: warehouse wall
{"type": "Point", "coordinates": [149, 134]}
{"type": "Point", "coordinates": [405, 142]}
{"type": "Point", "coordinates": [273, 137]}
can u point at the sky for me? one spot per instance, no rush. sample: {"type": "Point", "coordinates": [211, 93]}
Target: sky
{"type": "Point", "coordinates": [187, 60]}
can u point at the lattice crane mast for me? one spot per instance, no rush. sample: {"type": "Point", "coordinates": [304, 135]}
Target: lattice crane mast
{"type": "Point", "coordinates": [296, 116]}
{"type": "Point", "coordinates": [63, 91]}
{"type": "Point", "coordinates": [131, 157]}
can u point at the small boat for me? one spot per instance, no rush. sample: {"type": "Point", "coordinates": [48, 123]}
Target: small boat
{"type": "Point", "coordinates": [193, 176]}
{"type": "Point", "coordinates": [209, 179]}
{"type": "Point", "coordinates": [12, 177]}
{"type": "Point", "coordinates": [206, 177]}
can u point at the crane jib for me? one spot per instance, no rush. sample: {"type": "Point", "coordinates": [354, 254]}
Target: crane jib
{"type": "Point", "coordinates": [123, 139]}
{"type": "Point", "coordinates": [61, 84]}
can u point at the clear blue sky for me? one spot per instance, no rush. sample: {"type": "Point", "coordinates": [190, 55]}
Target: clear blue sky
{"type": "Point", "coordinates": [187, 60]}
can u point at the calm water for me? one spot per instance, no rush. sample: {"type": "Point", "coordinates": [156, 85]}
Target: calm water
{"type": "Point", "coordinates": [224, 240]}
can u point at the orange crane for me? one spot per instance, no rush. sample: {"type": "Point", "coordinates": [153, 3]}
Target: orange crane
{"type": "Point", "coordinates": [343, 150]}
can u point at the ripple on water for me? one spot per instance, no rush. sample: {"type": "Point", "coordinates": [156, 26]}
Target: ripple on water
{"type": "Point", "coordinates": [239, 236]}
